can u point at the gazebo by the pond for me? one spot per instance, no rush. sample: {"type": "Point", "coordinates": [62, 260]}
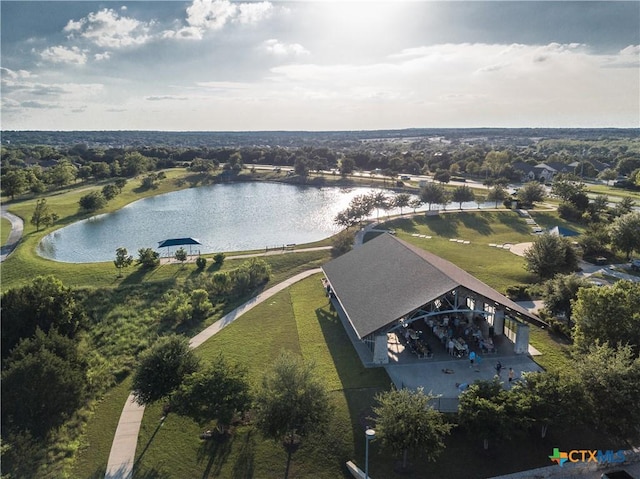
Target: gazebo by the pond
{"type": "Point", "coordinates": [168, 243]}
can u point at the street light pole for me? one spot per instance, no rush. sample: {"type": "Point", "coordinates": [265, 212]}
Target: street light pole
{"type": "Point", "coordinates": [369, 435]}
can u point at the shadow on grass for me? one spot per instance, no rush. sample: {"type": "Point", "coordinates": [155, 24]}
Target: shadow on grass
{"type": "Point", "coordinates": [135, 464]}
{"type": "Point", "coordinates": [359, 384]}
{"type": "Point", "coordinates": [405, 224]}
{"type": "Point", "coordinates": [443, 225]}
{"type": "Point", "coordinates": [244, 465]}
{"type": "Point", "coordinates": [150, 473]}
{"type": "Point", "coordinates": [514, 222]}
{"type": "Point", "coordinates": [138, 276]}
{"type": "Point", "coordinates": [216, 451]}
{"type": "Point", "coordinates": [476, 222]}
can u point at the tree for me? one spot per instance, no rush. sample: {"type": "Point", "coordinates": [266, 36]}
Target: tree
{"type": "Point", "coordinates": [550, 255]}
{"type": "Point", "coordinates": [443, 176]}
{"type": "Point", "coordinates": [415, 204]}
{"type": "Point", "coordinates": [611, 382]}
{"type": "Point", "coordinates": [123, 260]}
{"type": "Point", "coordinates": [201, 263]}
{"type": "Point", "coordinates": [624, 206]}
{"type": "Point", "coordinates": [42, 216]}
{"type": "Point", "coordinates": [406, 422]}
{"type": "Point", "coordinates": [218, 259]}
{"type": "Point", "coordinates": [567, 186]}
{"type": "Point", "coordinates": [608, 315]}
{"type": "Point", "coordinates": [550, 399]}
{"type": "Point", "coordinates": [43, 383]}
{"type": "Point", "coordinates": [181, 255]}
{"type": "Point", "coordinates": [92, 201]}
{"type": "Point", "coordinates": [162, 368]}
{"type": "Point", "coordinates": [200, 303]}
{"type": "Point", "coordinates": [347, 166]}
{"type": "Point", "coordinates": [378, 200]}
{"type": "Point", "coordinates": [291, 403]}
{"type": "Point", "coordinates": [110, 191]}
{"type": "Point", "coordinates": [462, 194]}
{"type": "Point", "coordinates": [625, 233]}
{"type": "Point", "coordinates": [488, 411]}
{"type": "Point", "coordinates": [14, 182]}
{"type": "Point", "coordinates": [120, 183]}
{"type": "Point", "coordinates": [342, 243]}
{"type": "Point", "coordinates": [559, 293]}
{"type": "Point", "coordinates": [301, 167]}
{"type": "Point", "coordinates": [63, 173]}
{"type": "Point", "coordinates": [402, 200]}
{"type": "Point", "coordinates": [148, 258]}
{"type": "Point", "coordinates": [45, 303]}
{"type": "Point", "coordinates": [497, 194]}
{"type": "Point", "coordinates": [433, 193]}
{"type": "Point", "coordinates": [531, 193]}
{"type": "Point", "coordinates": [218, 392]}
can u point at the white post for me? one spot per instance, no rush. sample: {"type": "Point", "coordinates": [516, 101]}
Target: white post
{"type": "Point", "coordinates": [369, 435]}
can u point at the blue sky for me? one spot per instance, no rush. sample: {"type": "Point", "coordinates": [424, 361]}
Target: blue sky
{"type": "Point", "coordinates": [318, 65]}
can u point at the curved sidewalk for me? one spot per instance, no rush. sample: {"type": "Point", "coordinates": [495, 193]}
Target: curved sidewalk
{"type": "Point", "coordinates": [17, 226]}
{"type": "Point", "coordinates": [125, 440]}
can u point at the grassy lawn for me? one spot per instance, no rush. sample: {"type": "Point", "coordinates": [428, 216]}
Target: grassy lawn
{"type": "Point", "coordinates": [298, 319]}
{"type": "Point", "coordinates": [5, 230]}
{"type": "Point", "coordinates": [91, 461]}
{"type": "Point", "coordinates": [613, 192]}
{"type": "Point", "coordinates": [497, 267]}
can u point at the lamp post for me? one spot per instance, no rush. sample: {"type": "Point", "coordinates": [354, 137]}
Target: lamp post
{"type": "Point", "coordinates": [369, 434]}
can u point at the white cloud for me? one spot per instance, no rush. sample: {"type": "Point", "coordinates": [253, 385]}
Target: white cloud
{"type": "Point", "coordinates": [165, 98]}
{"type": "Point", "coordinates": [108, 29]}
{"type": "Point", "coordinates": [62, 54]}
{"type": "Point", "coordinates": [210, 14]}
{"type": "Point", "coordinates": [102, 56]}
{"type": "Point", "coordinates": [277, 48]}
{"type": "Point", "coordinates": [205, 15]}
{"type": "Point", "coordinates": [249, 13]}
{"type": "Point", "coordinates": [8, 74]}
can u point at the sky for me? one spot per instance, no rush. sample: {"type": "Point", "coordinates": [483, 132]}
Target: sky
{"type": "Point", "coordinates": [221, 65]}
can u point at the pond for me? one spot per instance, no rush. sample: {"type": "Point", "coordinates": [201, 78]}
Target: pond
{"type": "Point", "coordinates": [224, 217]}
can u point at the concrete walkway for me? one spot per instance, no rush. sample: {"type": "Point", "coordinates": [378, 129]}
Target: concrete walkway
{"type": "Point", "coordinates": [17, 226]}
{"type": "Point", "coordinates": [193, 258]}
{"type": "Point", "coordinates": [125, 440]}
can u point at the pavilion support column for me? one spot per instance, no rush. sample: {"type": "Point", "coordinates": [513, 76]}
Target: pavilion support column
{"type": "Point", "coordinates": [381, 350]}
{"type": "Point", "coordinates": [522, 339]}
{"type": "Point", "coordinates": [498, 322]}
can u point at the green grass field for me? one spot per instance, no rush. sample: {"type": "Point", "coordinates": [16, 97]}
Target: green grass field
{"type": "Point", "coordinates": [297, 319]}
{"type": "Point", "coordinates": [5, 230]}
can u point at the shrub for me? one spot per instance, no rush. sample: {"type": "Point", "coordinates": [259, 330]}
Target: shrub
{"type": "Point", "coordinates": [218, 259]}
{"type": "Point", "coordinates": [201, 263]}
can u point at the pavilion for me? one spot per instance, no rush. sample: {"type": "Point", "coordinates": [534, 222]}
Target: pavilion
{"type": "Point", "coordinates": [386, 284]}
{"type": "Point", "coordinates": [178, 242]}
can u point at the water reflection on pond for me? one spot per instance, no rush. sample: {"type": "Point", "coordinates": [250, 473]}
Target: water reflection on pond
{"type": "Point", "coordinates": [228, 217]}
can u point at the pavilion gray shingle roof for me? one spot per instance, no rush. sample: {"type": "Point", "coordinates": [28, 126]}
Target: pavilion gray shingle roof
{"type": "Point", "coordinates": [387, 278]}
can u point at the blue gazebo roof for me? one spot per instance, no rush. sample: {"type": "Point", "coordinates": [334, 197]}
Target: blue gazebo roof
{"type": "Point", "coordinates": [177, 242]}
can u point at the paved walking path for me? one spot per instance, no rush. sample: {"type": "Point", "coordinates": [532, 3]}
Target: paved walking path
{"type": "Point", "coordinates": [17, 226]}
{"type": "Point", "coordinates": [125, 440]}
{"type": "Point", "coordinates": [193, 258]}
